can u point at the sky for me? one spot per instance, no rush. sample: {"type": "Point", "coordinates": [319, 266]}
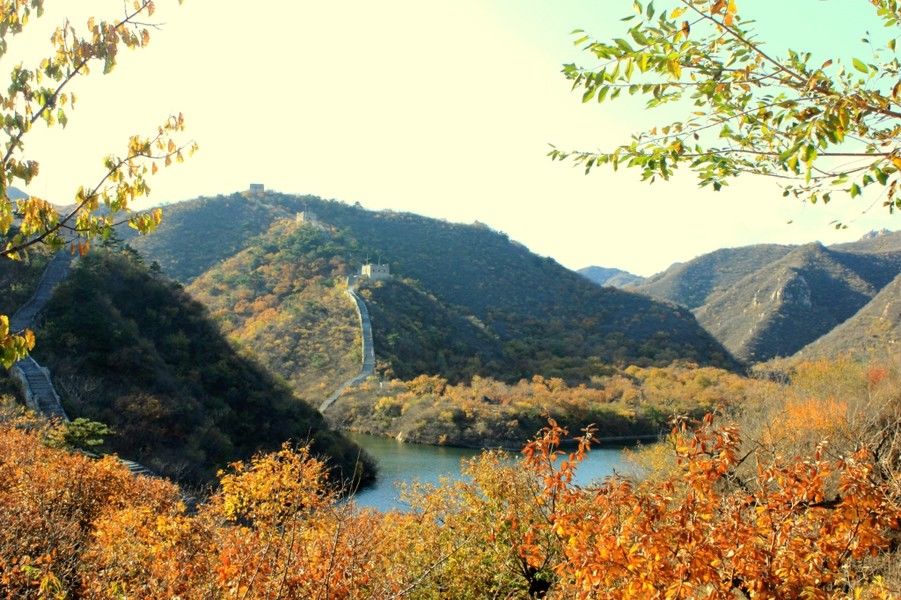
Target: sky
{"type": "Point", "coordinates": [444, 108]}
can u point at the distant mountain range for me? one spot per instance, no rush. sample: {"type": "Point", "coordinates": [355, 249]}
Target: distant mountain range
{"type": "Point", "coordinates": [610, 277]}
{"type": "Point", "coordinates": [768, 300]}
{"type": "Point", "coordinates": [464, 300]}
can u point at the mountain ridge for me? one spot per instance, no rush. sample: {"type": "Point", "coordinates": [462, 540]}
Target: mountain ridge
{"type": "Point", "coordinates": [768, 300]}
{"type": "Point", "coordinates": [524, 314]}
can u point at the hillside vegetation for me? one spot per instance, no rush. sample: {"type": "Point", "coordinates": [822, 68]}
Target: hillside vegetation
{"type": "Point", "coordinates": [779, 309]}
{"type": "Point", "coordinates": [872, 332]}
{"type": "Point", "coordinates": [19, 278]}
{"type": "Point", "coordinates": [624, 405]}
{"type": "Point", "coordinates": [131, 349]}
{"type": "Point", "coordinates": [768, 301]}
{"type": "Point", "coordinates": [282, 299]}
{"type": "Point", "coordinates": [195, 236]}
{"type": "Point", "coordinates": [527, 314]}
{"type": "Point", "coordinates": [691, 284]}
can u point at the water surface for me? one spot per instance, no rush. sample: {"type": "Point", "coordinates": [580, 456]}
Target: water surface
{"type": "Point", "coordinates": [400, 463]}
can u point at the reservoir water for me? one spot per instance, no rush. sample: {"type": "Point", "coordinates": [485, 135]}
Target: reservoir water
{"type": "Point", "coordinates": [399, 462]}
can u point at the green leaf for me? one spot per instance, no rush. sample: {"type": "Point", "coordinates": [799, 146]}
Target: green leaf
{"type": "Point", "coordinates": [861, 66]}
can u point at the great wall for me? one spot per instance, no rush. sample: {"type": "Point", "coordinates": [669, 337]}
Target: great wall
{"type": "Point", "coordinates": [368, 349]}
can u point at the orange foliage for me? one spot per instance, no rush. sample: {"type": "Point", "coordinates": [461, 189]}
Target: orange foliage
{"type": "Point", "coordinates": [794, 531]}
{"type": "Point", "coordinates": [725, 519]}
{"type": "Point", "coordinates": [49, 500]}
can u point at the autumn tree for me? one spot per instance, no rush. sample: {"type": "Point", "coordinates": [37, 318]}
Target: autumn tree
{"type": "Point", "coordinates": [40, 92]}
{"type": "Point", "coordinates": [798, 529]}
{"type": "Point", "coordinates": [818, 126]}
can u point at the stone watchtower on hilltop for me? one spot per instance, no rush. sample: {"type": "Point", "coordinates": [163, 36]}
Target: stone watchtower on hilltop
{"type": "Point", "coordinates": [375, 272]}
{"type": "Point", "coordinates": [306, 217]}
{"type": "Point", "coordinates": [256, 188]}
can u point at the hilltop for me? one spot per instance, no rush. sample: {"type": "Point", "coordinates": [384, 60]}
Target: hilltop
{"type": "Point", "coordinates": [464, 299]}
{"type": "Point", "coordinates": [129, 348]}
{"type": "Point", "coordinates": [692, 283]}
{"type": "Point", "coordinates": [610, 276]}
{"type": "Point", "coordinates": [769, 300]}
{"type": "Point", "coordinates": [779, 309]}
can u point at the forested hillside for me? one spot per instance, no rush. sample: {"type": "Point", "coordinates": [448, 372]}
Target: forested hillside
{"type": "Point", "coordinates": [765, 301]}
{"type": "Point", "coordinates": [494, 308]}
{"type": "Point", "coordinates": [198, 234]}
{"type": "Point", "coordinates": [131, 349]}
{"type": "Point", "coordinates": [282, 299]}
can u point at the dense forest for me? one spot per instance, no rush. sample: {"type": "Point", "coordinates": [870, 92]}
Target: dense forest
{"type": "Point", "coordinates": [129, 348]}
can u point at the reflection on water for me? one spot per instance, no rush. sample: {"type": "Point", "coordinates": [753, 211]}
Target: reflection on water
{"type": "Point", "coordinates": [415, 462]}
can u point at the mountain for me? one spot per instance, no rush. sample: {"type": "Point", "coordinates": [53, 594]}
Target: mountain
{"type": "Point", "coordinates": [610, 277]}
{"type": "Point", "coordinates": [227, 223]}
{"type": "Point", "coordinates": [131, 349]}
{"type": "Point", "coordinates": [874, 330]}
{"type": "Point", "coordinates": [464, 299]}
{"type": "Point", "coordinates": [879, 241]}
{"type": "Point", "coordinates": [282, 298]}
{"type": "Point", "coordinates": [691, 284]}
{"type": "Point", "coordinates": [780, 308]}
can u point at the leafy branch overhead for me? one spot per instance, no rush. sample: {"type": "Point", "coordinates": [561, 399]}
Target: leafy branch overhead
{"type": "Point", "coordinates": [42, 93]}
{"type": "Point", "coordinates": [819, 127]}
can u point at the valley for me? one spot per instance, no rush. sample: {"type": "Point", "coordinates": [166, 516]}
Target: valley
{"type": "Point", "coordinates": [478, 344]}
{"type": "Point", "coordinates": [404, 388]}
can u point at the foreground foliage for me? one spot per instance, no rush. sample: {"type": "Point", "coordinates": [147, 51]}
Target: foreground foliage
{"type": "Point", "coordinates": [40, 91]}
{"type": "Point", "coordinates": [764, 513]}
{"type": "Point", "coordinates": [819, 127]}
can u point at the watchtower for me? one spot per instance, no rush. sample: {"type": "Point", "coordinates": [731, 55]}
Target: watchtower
{"type": "Point", "coordinates": [306, 217]}
{"type": "Point", "coordinates": [376, 272]}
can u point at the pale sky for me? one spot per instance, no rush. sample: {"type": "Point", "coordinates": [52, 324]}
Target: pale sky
{"type": "Point", "coordinates": [439, 107]}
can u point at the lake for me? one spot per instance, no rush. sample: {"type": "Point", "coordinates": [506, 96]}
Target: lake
{"type": "Point", "coordinates": [400, 463]}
